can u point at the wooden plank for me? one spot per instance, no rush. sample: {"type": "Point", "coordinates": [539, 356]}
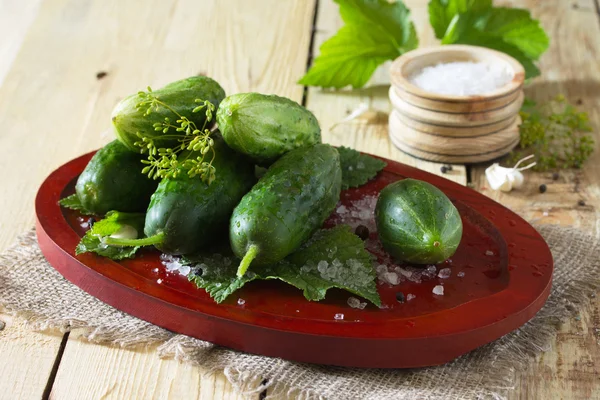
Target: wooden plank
{"type": "Point", "coordinates": [570, 369]}
{"type": "Point", "coordinates": [51, 96]}
{"type": "Point", "coordinates": [89, 371]}
{"type": "Point", "coordinates": [369, 133]}
{"type": "Point", "coordinates": [26, 359]}
{"type": "Point", "coordinates": [15, 18]}
{"type": "Point", "coordinates": [18, 345]}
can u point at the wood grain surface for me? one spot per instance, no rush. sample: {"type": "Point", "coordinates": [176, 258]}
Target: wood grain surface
{"type": "Point", "coordinates": [53, 108]}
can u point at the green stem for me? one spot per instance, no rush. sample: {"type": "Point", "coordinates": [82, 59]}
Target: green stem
{"type": "Point", "coordinates": [147, 241]}
{"type": "Point", "coordinates": [250, 255]}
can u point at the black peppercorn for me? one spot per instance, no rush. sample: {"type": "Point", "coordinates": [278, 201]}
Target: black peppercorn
{"type": "Point", "coordinates": [362, 232]}
{"type": "Point", "coordinates": [91, 221]}
{"type": "Point", "coordinates": [400, 297]}
{"type": "Point", "coordinates": [444, 169]}
{"type": "Point", "coordinates": [101, 75]}
{"type": "Point", "coordinates": [581, 203]}
{"type": "Point", "coordinates": [555, 176]}
{"type": "Point", "coordinates": [543, 188]}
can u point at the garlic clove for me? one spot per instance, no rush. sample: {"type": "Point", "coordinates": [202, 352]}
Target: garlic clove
{"type": "Point", "coordinates": [518, 179]}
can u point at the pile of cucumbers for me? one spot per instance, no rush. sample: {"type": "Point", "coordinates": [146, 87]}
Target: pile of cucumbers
{"type": "Point", "coordinates": [267, 218]}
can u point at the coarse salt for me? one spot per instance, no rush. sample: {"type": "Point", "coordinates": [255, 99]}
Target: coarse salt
{"type": "Point", "coordinates": [439, 290]}
{"type": "Point", "coordinates": [444, 273]}
{"type": "Point", "coordinates": [410, 296]}
{"type": "Point", "coordinates": [462, 78]}
{"type": "Point", "coordinates": [338, 316]}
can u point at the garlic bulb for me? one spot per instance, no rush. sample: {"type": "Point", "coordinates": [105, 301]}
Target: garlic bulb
{"type": "Point", "coordinates": [506, 179]}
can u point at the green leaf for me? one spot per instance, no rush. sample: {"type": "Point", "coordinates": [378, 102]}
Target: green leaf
{"type": "Point", "coordinates": [441, 12]}
{"type": "Point", "coordinates": [72, 202]}
{"type": "Point", "coordinates": [332, 258]}
{"type": "Point", "coordinates": [509, 30]}
{"type": "Point", "coordinates": [350, 58]}
{"type": "Point", "coordinates": [375, 31]}
{"type": "Point", "coordinates": [516, 27]}
{"type": "Point", "coordinates": [357, 168]}
{"type": "Point", "coordinates": [112, 223]}
{"type": "Point", "coordinates": [390, 18]}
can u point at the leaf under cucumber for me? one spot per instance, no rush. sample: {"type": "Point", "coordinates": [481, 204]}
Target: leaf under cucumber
{"type": "Point", "coordinates": [357, 168]}
{"type": "Point", "coordinates": [72, 202]}
{"type": "Point", "coordinates": [332, 258]}
{"type": "Point", "coordinates": [94, 240]}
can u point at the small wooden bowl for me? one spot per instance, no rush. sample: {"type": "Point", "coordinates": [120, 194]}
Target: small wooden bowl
{"type": "Point", "coordinates": [413, 61]}
{"type": "Point", "coordinates": [448, 128]}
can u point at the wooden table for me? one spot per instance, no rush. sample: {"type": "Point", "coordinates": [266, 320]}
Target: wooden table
{"type": "Point", "coordinates": [53, 108]}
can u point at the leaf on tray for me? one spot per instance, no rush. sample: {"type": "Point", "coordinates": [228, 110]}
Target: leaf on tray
{"type": "Point", "coordinates": [111, 224]}
{"type": "Point", "coordinates": [72, 202]}
{"type": "Point", "coordinates": [357, 168]}
{"type": "Point", "coordinates": [332, 258]}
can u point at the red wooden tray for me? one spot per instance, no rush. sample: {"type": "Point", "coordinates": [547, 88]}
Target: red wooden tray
{"type": "Point", "coordinates": [507, 270]}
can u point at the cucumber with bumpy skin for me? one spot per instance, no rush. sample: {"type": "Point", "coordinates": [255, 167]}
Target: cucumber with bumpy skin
{"type": "Point", "coordinates": [129, 118]}
{"type": "Point", "coordinates": [186, 214]}
{"type": "Point", "coordinates": [266, 126]}
{"type": "Point", "coordinates": [417, 223]}
{"type": "Point", "coordinates": [113, 180]}
{"type": "Point", "coordinates": [287, 205]}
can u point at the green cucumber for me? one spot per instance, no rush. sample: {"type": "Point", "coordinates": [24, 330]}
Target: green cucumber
{"type": "Point", "coordinates": [417, 223]}
{"type": "Point", "coordinates": [287, 205]}
{"type": "Point", "coordinates": [186, 214]}
{"type": "Point", "coordinates": [129, 120]}
{"type": "Point", "coordinates": [113, 180]}
{"type": "Point", "coordinates": [266, 126]}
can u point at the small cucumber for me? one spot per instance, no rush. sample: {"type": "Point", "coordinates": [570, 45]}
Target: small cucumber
{"type": "Point", "coordinates": [189, 213]}
{"type": "Point", "coordinates": [266, 126]}
{"type": "Point", "coordinates": [417, 223]}
{"type": "Point", "coordinates": [186, 214]}
{"type": "Point", "coordinates": [287, 205]}
{"type": "Point", "coordinates": [180, 96]}
{"type": "Point", "coordinates": [113, 180]}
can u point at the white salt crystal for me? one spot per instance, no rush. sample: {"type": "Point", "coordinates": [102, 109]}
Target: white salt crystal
{"type": "Point", "coordinates": [381, 269]}
{"type": "Point", "coordinates": [439, 290]}
{"type": "Point", "coordinates": [445, 273]}
{"type": "Point", "coordinates": [185, 270]}
{"type": "Point", "coordinates": [362, 306]}
{"type": "Point", "coordinates": [159, 281]}
{"type": "Point", "coordinates": [392, 278]}
{"type": "Point", "coordinates": [489, 253]}
{"type": "Point", "coordinates": [462, 78]}
{"type": "Point", "coordinates": [241, 302]}
{"type": "Point", "coordinates": [431, 269]}
{"type": "Point", "coordinates": [410, 296]}
{"type": "Point", "coordinates": [341, 209]}
{"type": "Point", "coordinates": [403, 272]}
{"type": "Point", "coordinates": [322, 266]}
{"type": "Point", "coordinates": [460, 274]}
{"type": "Point", "coordinates": [338, 316]}
{"type": "Point", "coordinates": [353, 302]}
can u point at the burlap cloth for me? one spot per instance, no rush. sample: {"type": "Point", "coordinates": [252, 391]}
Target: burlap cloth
{"type": "Point", "coordinates": [31, 288]}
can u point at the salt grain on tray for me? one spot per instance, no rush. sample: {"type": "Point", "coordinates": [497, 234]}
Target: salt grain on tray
{"type": "Point", "coordinates": [462, 78]}
{"type": "Point", "coordinates": [444, 273]}
{"type": "Point", "coordinates": [439, 290]}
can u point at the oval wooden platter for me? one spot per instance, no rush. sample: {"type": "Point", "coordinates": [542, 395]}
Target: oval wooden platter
{"type": "Point", "coordinates": [501, 276]}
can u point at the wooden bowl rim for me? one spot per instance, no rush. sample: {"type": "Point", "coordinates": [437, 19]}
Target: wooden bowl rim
{"type": "Point", "coordinates": [399, 80]}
